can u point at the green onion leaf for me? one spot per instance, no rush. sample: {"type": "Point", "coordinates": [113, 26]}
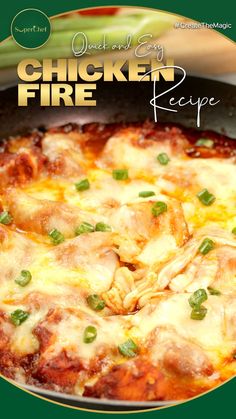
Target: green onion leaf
{"type": "Point", "coordinates": [206, 246]}
{"type": "Point", "coordinates": [120, 174]}
{"type": "Point", "coordinates": [90, 334]}
{"type": "Point", "coordinates": [56, 236]}
{"type": "Point", "coordinates": [102, 227]}
{"type": "Point", "coordinates": [198, 313]}
{"type": "Point", "coordinates": [146, 194]}
{"type": "Point", "coordinates": [163, 158]}
{"type": "Point", "coordinates": [83, 185]}
{"type": "Point", "coordinates": [5, 218]}
{"type": "Point", "coordinates": [213, 291]}
{"type": "Point", "coordinates": [206, 197]}
{"type": "Point", "coordinates": [24, 278]}
{"type": "Point", "coordinates": [18, 317]}
{"type": "Point", "coordinates": [84, 228]}
{"type": "Point", "coordinates": [197, 298]}
{"type": "Point", "coordinates": [95, 302]}
{"type": "Point", "coordinates": [205, 142]}
{"type": "Point", "coordinates": [158, 208]}
{"type": "Point", "coordinates": [234, 231]}
{"type": "Point", "coordinates": [128, 348]}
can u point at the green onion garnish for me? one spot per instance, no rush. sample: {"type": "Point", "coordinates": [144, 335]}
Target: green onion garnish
{"type": "Point", "coordinates": [120, 174]}
{"type": "Point", "coordinates": [18, 317]}
{"type": "Point", "coordinates": [206, 246]}
{"type": "Point", "coordinates": [146, 194]}
{"type": "Point", "coordinates": [56, 236]}
{"type": "Point", "coordinates": [163, 158]}
{"type": "Point", "coordinates": [102, 227]}
{"type": "Point", "coordinates": [95, 302]}
{"type": "Point", "coordinates": [197, 298]}
{"type": "Point", "coordinates": [198, 313]}
{"type": "Point", "coordinates": [128, 348]}
{"type": "Point", "coordinates": [195, 301]}
{"type": "Point", "coordinates": [83, 185]}
{"type": "Point", "coordinates": [213, 291]}
{"type": "Point", "coordinates": [206, 197]}
{"type": "Point", "coordinates": [234, 231]}
{"type": "Point", "coordinates": [205, 142]}
{"type": "Point", "coordinates": [24, 278]}
{"type": "Point", "coordinates": [84, 228]}
{"type": "Point", "coordinates": [90, 334]}
{"type": "Point", "coordinates": [5, 218]}
{"type": "Point", "coordinates": [158, 208]}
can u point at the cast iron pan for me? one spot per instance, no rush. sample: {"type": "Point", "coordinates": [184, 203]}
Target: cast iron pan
{"type": "Point", "coordinates": [128, 102]}
{"type": "Point", "coordinates": [122, 102]}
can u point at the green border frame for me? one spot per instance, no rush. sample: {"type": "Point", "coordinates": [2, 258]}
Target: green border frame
{"type": "Point", "coordinates": [201, 10]}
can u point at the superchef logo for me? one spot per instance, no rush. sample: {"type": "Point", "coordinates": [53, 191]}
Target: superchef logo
{"type": "Point", "coordinates": [31, 29]}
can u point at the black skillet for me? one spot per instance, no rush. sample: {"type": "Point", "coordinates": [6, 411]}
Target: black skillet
{"type": "Point", "coordinates": [122, 102]}
{"type": "Point", "coordinates": [128, 102]}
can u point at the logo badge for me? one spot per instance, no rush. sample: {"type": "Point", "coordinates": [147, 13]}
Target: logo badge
{"type": "Point", "coordinates": [31, 28]}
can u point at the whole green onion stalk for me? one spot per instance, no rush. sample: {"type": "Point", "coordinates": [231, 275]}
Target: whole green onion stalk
{"type": "Point", "coordinates": [116, 28]}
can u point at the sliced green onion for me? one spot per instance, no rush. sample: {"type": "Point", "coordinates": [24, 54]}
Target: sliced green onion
{"type": "Point", "coordinates": [120, 174]}
{"type": "Point", "coordinates": [56, 236]}
{"type": "Point", "coordinates": [213, 291]}
{"type": "Point", "coordinates": [198, 313]}
{"type": "Point", "coordinates": [205, 142]}
{"type": "Point", "coordinates": [128, 348]}
{"type": "Point", "coordinates": [206, 246]}
{"type": "Point", "coordinates": [158, 208]}
{"type": "Point", "coordinates": [234, 231]}
{"type": "Point", "coordinates": [102, 227]}
{"type": "Point", "coordinates": [84, 228]}
{"type": "Point", "coordinates": [206, 197]}
{"type": "Point", "coordinates": [83, 185]}
{"type": "Point", "coordinates": [5, 218]}
{"type": "Point", "coordinates": [19, 316]}
{"type": "Point", "coordinates": [163, 158]}
{"type": "Point", "coordinates": [195, 301]}
{"type": "Point", "coordinates": [95, 302]}
{"type": "Point", "coordinates": [90, 334]}
{"type": "Point", "coordinates": [146, 194]}
{"type": "Point", "coordinates": [197, 298]}
{"type": "Point", "coordinates": [24, 278]}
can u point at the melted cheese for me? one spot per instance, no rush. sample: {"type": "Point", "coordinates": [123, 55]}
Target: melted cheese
{"type": "Point", "coordinates": [159, 249]}
{"type": "Point", "coordinates": [63, 276]}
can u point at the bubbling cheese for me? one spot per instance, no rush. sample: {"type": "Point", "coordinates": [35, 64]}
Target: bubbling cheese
{"type": "Point", "coordinates": [122, 263]}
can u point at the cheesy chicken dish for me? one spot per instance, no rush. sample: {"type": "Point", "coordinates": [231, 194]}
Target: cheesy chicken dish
{"type": "Point", "coordinates": [118, 260]}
